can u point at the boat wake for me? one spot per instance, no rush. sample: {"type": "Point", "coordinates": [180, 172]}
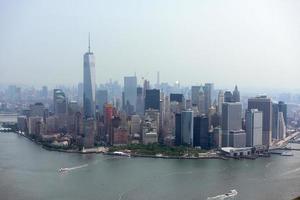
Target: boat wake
{"type": "Point", "coordinates": [291, 172]}
{"type": "Point", "coordinates": [72, 168]}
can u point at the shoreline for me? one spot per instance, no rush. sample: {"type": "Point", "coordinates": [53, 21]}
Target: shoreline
{"type": "Point", "coordinates": [97, 151]}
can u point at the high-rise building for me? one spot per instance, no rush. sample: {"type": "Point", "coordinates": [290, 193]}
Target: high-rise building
{"type": "Point", "coordinates": [89, 85]}
{"type": "Point", "coordinates": [201, 133]}
{"type": "Point", "coordinates": [101, 100]}
{"type": "Point", "coordinates": [152, 99]}
{"type": "Point", "coordinates": [264, 104]}
{"type": "Point", "coordinates": [283, 108]}
{"type": "Point", "coordinates": [254, 120]}
{"type": "Point", "coordinates": [208, 90]}
{"type": "Point", "coordinates": [140, 102]}
{"type": "Point", "coordinates": [275, 120]}
{"type": "Point", "coordinates": [178, 135]}
{"type": "Point", "coordinates": [231, 120]}
{"type": "Point", "coordinates": [187, 127]}
{"type": "Point", "coordinates": [236, 95]}
{"type": "Point", "coordinates": [227, 96]}
{"type": "Point", "coordinates": [59, 102]}
{"type": "Point", "coordinates": [195, 95]}
{"type": "Point", "coordinates": [220, 101]}
{"type": "Point", "coordinates": [130, 93]}
{"type": "Point", "coordinates": [281, 126]}
{"type": "Point", "coordinates": [201, 106]}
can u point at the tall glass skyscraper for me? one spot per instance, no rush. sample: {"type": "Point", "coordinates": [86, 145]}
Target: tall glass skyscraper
{"type": "Point", "coordinates": [89, 89]}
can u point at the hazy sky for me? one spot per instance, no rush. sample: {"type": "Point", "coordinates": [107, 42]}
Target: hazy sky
{"type": "Point", "coordinates": [249, 43]}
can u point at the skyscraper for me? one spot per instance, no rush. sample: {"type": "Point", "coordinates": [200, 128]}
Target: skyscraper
{"type": "Point", "coordinates": [264, 104]}
{"type": "Point", "coordinates": [283, 108]}
{"type": "Point", "coordinates": [187, 127]}
{"type": "Point", "coordinates": [254, 120]}
{"type": "Point", "coordinates": [208, 89]}
{"type": "Point", "coordinates": [130, 93]}
{"type": "Point", "coordinates": [101, 99]}
{"type": "Point", "coordinates": [195, 95]}
{"type": "Point", "coordinates": [236, 95]}
{"type": "Point", "coordinates": [201, 134]}
{"type": "Point", "coordinates": [220, 101]}
{"type": "Point", "coordinates": [231, 120]}
{"type": "Point", "coordinates": [59, 102]}
{"type": "Point", "coordinates": [89, 87]}
{"type": "Point", "coordinates": [152, 99]}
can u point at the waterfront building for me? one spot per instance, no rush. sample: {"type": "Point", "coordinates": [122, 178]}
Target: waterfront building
{"type": "Point", "coordinates": [275, 120]}
{"type": "Point", "coordinates": [108, 116]}
{"type": "Point", "coordinates": [120, 136]}
{"type": "Point", "coordinates": [264, 104]}
{"type": "Point", "coordinates": [254, 123]}
{"type": "Point", "coordinates": [37, 110]}
{"type": "Point", "coordinates": [89, 85]}
{"type": "Point", "coordinates": [130, 94]}
{"type": "Point", "coordinates": [135, 125]}
{"type": "Point", "coordinates": [231, 120]}
{"type": "Point", "coordinates": [187, 127]}
{"type": "Point", "coordinates": [101, 100]}
{"type": "Point", "coordinates": [22, 123]}
{"type": "Point", "coordinates": [89, 129]}
{"type": "Point", "coordinates": [178, 135]}
{"type": "Point", "coordinates": [237, 138]}
{"type": "Point", "coordinates": [35, 126]}
{"type": "Point", "coordinates": [201, 132]}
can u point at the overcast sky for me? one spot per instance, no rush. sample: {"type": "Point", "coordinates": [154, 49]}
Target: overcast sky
{"type": "Point", "coordinates": [250, 43]}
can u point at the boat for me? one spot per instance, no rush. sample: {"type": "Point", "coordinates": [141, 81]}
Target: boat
{"type": "Point", "coordinates": [286, 153]}
{"type": "Point", "coordinates": [227, 196]}
{"type": "Point", "coordinates": [63, 169]}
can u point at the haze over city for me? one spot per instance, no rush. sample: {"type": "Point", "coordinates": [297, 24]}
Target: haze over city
{"type": "Point", "coordinates": [250, 43]}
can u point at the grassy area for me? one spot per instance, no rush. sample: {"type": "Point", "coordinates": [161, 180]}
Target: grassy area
{"type": "Point", "coordinates": [153, 149]}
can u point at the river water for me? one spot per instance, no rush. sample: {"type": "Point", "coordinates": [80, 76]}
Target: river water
{"type": "Point", "coordinates": [29, 172]}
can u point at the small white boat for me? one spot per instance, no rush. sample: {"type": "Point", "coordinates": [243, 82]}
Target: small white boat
{"type": "Point", "coordinates": [63, 169]}
{"type": "Point", "coordinates": [287, 153]}
{"type": "Point", "coordinates": [227, 196]}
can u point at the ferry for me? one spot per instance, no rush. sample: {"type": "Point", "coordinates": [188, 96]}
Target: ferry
{"type": "Point", "coordinates": [227, 196]}
{"type": "Point", "coordinates": [287, 153]}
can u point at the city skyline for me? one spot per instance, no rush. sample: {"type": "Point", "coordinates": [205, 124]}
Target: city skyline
{"type": "Point", "coordinates": [183, 39]}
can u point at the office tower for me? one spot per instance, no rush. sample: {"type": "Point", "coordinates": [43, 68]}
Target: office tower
{"type": "Point", "coordinates": [108, 116]}
{"type": "Point", "coordinates": [73, 107]}
{"type": "Point", "coordinates": [89, 129]}
{"type": "Point", "coordinates": [237, 138]}
{"type": "Point", "coordinates": [59, 102]}
{"type": "Point", "coordinates": [146, 87]}
{"type": "Point", "coordinates": [208, 89]}
{"type": "Point", "coordinates": [89, 86]}
{"type": "Point", "coordinates": [201, 106]}
{"type": "Point", "coordinates": [231, 120]}
{"type": "Point", "coordinates": [152, 99]}
{"type": "Point", "coordinates": [283, 108]}
{"type": "Point", "coordinates": [187, 127]}
{"type": "Point", "coordinates": [140, 102]}
{"type": "Point", "coordinates": [101, 100]}
{"type": "Point", "coordinates": [178, 135]}
{"type": "Point", "coordinates": [254, 121]}
{"type": "Point", "coordinates": [195, 95]}
{"type": "Point", "coordinates": [45, 92]}
{"type": "Point", "coordinates": [135, 125]}
{"type": "Point", "coordinates": [157, 81]}
{"type": "Point", "coordinates": [80, 93]}
{"type": "Point", "coordinates": [37, 110]}
{"type": "Point", "coordinates": [176, 97]}
{"type": "Point", "coordinates": [130, 93]}
{"type": "Point", "coordinates": [201, 133]}
{"type": "Point", "coordinates": [264, 104]}
{"type": "Point", "coordinates": [275, 120]}
{"type": "Point", "coordinates": [227, 96]}
{"type": "Point", "coordinates": [281, 126]}
{"type": "Point", "coordinates": [220, 101]}
{"type": "Point", "coordinates": [236, 95]}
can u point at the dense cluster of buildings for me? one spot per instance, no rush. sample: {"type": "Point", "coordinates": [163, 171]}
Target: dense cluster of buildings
{"type": "Point", "coordinates": [199, 116]}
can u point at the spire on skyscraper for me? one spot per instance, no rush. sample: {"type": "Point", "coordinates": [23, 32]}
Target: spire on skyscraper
{"type": "Point", "coordinates": [89, 43]}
